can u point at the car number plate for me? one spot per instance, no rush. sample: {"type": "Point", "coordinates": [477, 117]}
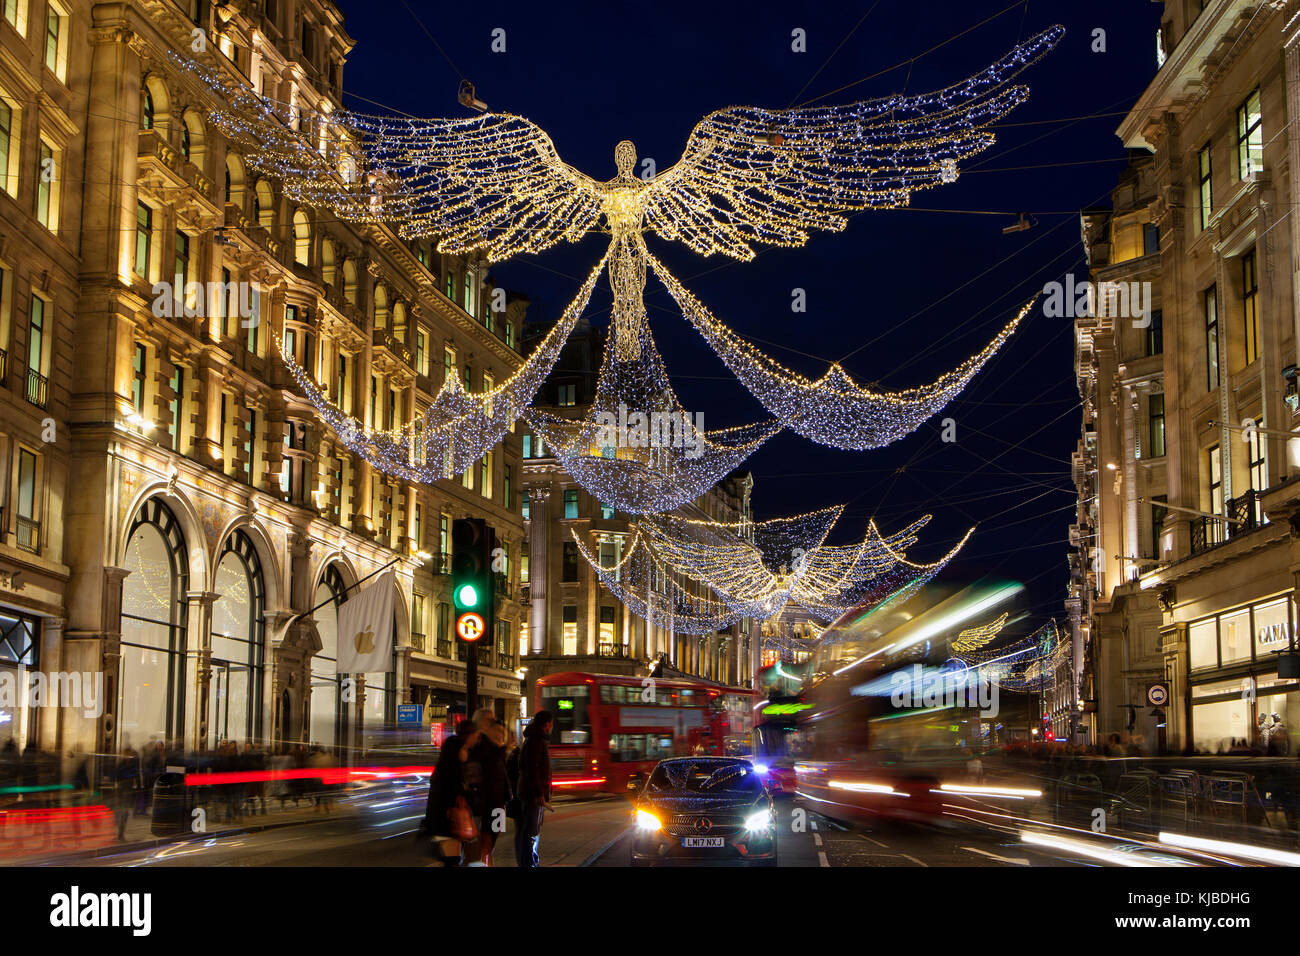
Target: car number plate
{"type": "Point", "coordinates": [703, 841]}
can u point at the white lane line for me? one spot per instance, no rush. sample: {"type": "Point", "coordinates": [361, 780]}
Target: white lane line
{"type": "Point", "coordinates": [914, 860]}
{"type": "Point", "coordinates": [821, 858]}
{"type": "Point", "coordinates": [1017, 860]}
{"type": "Point", "coordinates": [817, 838]}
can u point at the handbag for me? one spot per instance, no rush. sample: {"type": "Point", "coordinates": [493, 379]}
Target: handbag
{"type": "Point", "coordinates": [463, 825]}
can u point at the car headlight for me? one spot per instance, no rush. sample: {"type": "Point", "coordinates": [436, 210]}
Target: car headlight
{"type": "Point", "coordinates": [762, 820]}
{"type": "Point", "coordinates": [760, 768]}
{"type": "Point", "coordinates": [645, 820]}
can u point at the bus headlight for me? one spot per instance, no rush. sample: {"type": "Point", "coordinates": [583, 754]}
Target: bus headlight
{"type": "Point", "coordinates": [758, 822]}
{"type": "Point", "coordinates": [645, 820]}
{"type": "Point", "coordinates": [761, 769]}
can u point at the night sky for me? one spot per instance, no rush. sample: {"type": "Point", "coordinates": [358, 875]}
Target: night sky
{"type": "Point", "coordinates": [900, 296]}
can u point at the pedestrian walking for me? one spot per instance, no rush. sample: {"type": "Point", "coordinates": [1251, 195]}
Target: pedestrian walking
{"type": "Point", "coordinates": [534, 787]}
{"type": "Point", "coordinates": [445, 787]}
{"type": "Point", "coordinates": [486, 757]}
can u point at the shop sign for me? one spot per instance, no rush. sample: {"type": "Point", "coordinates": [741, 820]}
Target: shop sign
{"type": "Point", "coordinates": [1274, 635]}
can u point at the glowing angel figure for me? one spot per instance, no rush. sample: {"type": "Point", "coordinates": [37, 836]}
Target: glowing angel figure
{"type": "Point", "coordinates": [495, 183]}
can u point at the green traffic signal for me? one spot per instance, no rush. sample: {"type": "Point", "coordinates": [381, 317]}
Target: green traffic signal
{"type": "Point", "coordinates": [467, 595]}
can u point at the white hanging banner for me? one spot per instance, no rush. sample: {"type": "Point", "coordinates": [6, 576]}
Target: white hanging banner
{"type": "Point", "coordinates": [365, 635]}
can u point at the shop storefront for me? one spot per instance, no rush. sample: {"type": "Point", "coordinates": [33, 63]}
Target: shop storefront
{"type": "Point", "coordinates": [19, 658]}
{"type": "Point", "coordinates": [1237, 700]}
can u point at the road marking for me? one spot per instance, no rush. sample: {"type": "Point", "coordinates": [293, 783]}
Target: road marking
{"type": "Point", "coordinates": [914, 860]}
{"type": "Point", "coordinates": [1019, 861]}
{"type": "Point", "coordinates": [883, 846]}
{"type": "Point", "coordinates": [821, 858]}
{"type": "Point", "coordinates": [817, 838]}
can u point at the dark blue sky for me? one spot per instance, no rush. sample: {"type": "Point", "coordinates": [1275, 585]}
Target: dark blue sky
{"type": "Point", "coordinates": [905, 294]}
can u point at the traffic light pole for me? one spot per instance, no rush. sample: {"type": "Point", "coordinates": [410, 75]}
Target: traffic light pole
{"type": "Point", "coordinates": [471, 682]}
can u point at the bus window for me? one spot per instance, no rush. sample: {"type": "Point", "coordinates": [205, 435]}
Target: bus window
{"type": "Point", "coordinates": [569, 705]}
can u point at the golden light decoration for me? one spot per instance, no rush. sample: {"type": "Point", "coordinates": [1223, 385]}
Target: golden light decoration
{"type": "Point", "coordinates": [973, 638]}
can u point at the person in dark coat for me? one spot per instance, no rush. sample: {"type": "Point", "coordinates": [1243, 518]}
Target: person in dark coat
{"type": "Point", "coordinates": [534, 787]}
{"type": "Point", "coordinates": [444, 787]}
{"type": "Point", "coordinates": [489, 796]}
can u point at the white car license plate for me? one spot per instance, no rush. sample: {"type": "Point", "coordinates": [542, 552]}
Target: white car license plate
{"type": "Point", "coordinates": [703, 841]}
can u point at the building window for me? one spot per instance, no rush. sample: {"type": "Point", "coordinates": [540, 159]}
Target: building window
{"type": "Point", "coordinates": [1258, 467]}
{"type": "Point", "coordinates": [1216, 480]}
{"type": "Point", "coordinates": [417, 529]}
{"type": "Point", "coordinates": [528, 447]}
{"type": "Point", "coordinates": [569, 564]}
{"type": "Point", "coordinates": [255, 321]}
{"type": "Point", "coordinates": [1150, 239]}
{"type": "Point", "coordinates": [1250, 305]}
{"type": "Point", "coordinates": [1155, 341]}
{"type": "Point", "coordinates": [47, 187]}
{"type": "Point", "coordinates": [444, 524]}
{"type": "Point", "coordinates": [421, 353]}
{"type": "Point", "coordinates": [8, 147]}
{"type": "Point", "coordinates": [176, 407]}
{"type": "Point", "coordinates": [524, 506]}
{"type": "Point", "coordinates": [1207, 185]}
{"type": "Point", "coordinates": [570, 632]}
{"type": "Point", "coordinates": [143, 232]}
{"type": "Point", "coordinates": [1158, 513]}
{"type": "Point", "coordinates": [468, 378]}
{"type": "Point", "coordinates": [485, 475]}
{"type": "Point", "coordinates": [250, 436]}
{"type": "Point", "coordinates": [567, 395]}
{"type": "Point", "coordinates": [608, 634]}
{"type": "Point", "coordinates": [448, 363]}
{"type": "Point", "coordinates": [29, 527]}
{"type": "Point", "coordinates": [1211, 306]}
{"type": "Point", "coordinates": [138, 366]}
{"type": "Point", "coordinates": [1250, 136]}
{"type": "Point", "coordinates": [506, 490]}
{"type": "Point", "coordinates": [606, 512]}
{"type": "Point", "coordinates": [15, 11]}
{"type": "Point", "coordinates": [37, 354]}
{"type": "Point", "coordinates": [1156, 420]}
{"type": "Point", "coordinates": [56, 40]}
{"type": "Point", "coordinates": [571, 503]}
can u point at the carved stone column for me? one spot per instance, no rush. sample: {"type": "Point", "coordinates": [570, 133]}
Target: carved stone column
{"type": "Point", "coordinates": [199, 625]}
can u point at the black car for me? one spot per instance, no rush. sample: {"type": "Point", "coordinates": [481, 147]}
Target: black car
{"type": "Point", "coordinates": [702, 810]}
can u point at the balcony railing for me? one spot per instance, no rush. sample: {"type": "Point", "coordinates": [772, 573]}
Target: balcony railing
{"type": "Point", "coordinates": [29, 535]}
{"type": "Point", "coordinates": [1243, 514]}
{"type": "Point", "coordinates": [503, 586]}
{"type": "Point", "coordinates": [523, 594]}
{"type": "Point", "coordinates": [417, 642]}
{"type": "Point", "coordinates": [38, 388]}
{"type": "Point", "coordinates": [440, 563]}
{"type": "Point", "coordinates": [444, 648]}
{"type": "Point", "coordinates": [4, 366]}
{"type": "Point", "coordinates": [611, 650]}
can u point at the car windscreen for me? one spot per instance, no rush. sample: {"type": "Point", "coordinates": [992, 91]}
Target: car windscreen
{"type": "Point", "coordinates": [705, 777]}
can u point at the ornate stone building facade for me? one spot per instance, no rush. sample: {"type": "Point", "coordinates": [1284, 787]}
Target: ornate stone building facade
{"type": "Point", "coordinates": [178, 518]}
{"type": "Point", "coordinates": [1185, 573]}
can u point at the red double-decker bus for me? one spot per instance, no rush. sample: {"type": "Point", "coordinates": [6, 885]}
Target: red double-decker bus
{"type": "Point", "coordinates": [610, 731]}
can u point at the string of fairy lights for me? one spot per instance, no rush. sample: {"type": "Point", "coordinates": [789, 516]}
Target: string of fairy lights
{"type": "Point", "coordinates": [494, 184]}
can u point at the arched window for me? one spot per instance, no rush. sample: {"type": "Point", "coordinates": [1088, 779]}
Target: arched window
{"type": "Point", "coordinates": [399, 321]}
{"type": "Point", "coordinates": [153, 623]}
{"type": "Point", "coordinates": [192, 139]}
{"type": "Point", "coordinates": [327, 265]}
{"type": "Point", "coordinates": [328, 726]}
{"type": "Point", "coordinates": [154, 105]}
{"type": "Point", "coordinates": [235, 687]}
{"type": "Point", "coordinates": [301, 238]}
{"type": "Point", "coordinates": [263, 205]}
{"type": "Point", "coordinates": [234, 180]}
{"type": "Point", "coordinates": [381, 307]}
{"type": "Point", "coordinates": [350, 282]}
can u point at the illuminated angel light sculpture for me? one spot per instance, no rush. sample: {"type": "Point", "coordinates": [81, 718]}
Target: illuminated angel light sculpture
{"type": "Point", "coordinates": [699, 576]}
{"type": "Point", "coordinates": [495, 183]}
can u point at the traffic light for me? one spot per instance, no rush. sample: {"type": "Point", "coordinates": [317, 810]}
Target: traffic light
{"type": "Point", "coordinates": [471, 578]}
